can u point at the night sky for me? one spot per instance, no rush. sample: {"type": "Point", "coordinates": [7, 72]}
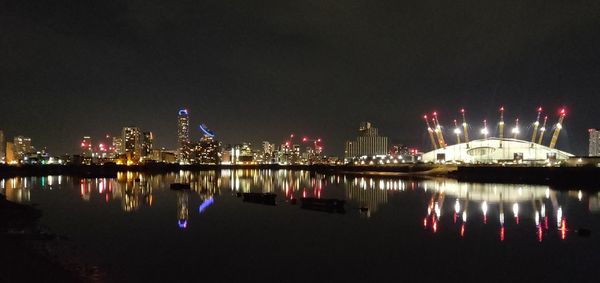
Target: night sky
{"type": "Point", "coordinates": [259, 70]}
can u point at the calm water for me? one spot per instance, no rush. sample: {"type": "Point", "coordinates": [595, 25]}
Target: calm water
{"type": "Point", "coordinates": [137, 229]}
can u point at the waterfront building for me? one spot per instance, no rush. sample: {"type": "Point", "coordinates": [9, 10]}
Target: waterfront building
{"type": "Point", "coordinates": [10, 157]}
{"type": "Point", "coordinates": [206, 151]}
{"type": "Point", "coordinates": [496, 150]}
{"type": "Point", "coordinates": [131, 144]}
{"type": "Point", "coordinates": [22, 146]}
{"type": "Point", "coordinates": [594, 147]}
{"type": "Point", "coordinates": [117, 145]}
{"type": "Point", "coordinates": [147, 145]}
{"type": "Point", "coordinates": [368, 143]}
{"type": "Point", "coordinates": [183, 135]}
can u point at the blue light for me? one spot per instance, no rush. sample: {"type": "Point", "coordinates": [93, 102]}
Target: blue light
{"type": "Point", "coordinates": [182, 223]}
{"type": "Point", "coordinates": [206, 131]}
{"type": "Point", "coordinates": [183, 112]}
{"type": "Point", "coordinates": [206, 204]}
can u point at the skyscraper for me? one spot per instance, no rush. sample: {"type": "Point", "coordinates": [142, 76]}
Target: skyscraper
{"type": "Point", "coordinates": [594, 142]}
{"type": "Point", "coordinates": [367, 143]}
{"type": "Point", "coordinates": [183, 134]}
{"type": "Point", "coordinates": [131, 143]}
{"type": "Point", "coordinates": [147, 144]}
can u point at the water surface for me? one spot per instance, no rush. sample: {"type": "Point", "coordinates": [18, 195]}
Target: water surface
{"type": "Point", "coordinates": [137, 229]}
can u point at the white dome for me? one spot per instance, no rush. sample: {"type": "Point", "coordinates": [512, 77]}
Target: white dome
{"type": "Point", "coordinates": [493, 150]}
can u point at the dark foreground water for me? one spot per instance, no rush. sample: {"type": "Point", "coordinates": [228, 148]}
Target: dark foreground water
{"type": "Point", "coordinates": [137, 229]}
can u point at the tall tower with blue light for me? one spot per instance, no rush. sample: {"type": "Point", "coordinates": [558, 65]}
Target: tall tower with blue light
{"type": "Point", "coordinates": [183, 133]}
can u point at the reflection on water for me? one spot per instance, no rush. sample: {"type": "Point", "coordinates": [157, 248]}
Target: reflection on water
{"type": "Point", "coordinates": [446, 204]}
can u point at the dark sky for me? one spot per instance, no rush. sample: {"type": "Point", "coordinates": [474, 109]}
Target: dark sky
{"type": "Point", "coordinates": [258, 70]}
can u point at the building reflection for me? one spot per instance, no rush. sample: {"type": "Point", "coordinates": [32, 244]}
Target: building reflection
{"type": "Point", "coordinates": [447, 204]}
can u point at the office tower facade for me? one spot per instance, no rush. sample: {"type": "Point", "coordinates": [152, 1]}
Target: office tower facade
{"type": "Point", "coordinates": [183, 127]}
{"type": "Point", "coordinates": [368, 143]}
{"type": "Point", "coordinates": [147, 144]}
{"type": "Point", "coordinates": [22, 147]}
{"type": "Point", "coordinates": [131, 143]}
{"type": "Point", "coordinates": [183, 135]}
{"type": "Point", "coordinates": [117, 145]}
{"type": "Point", "coordinates": [594, 148]}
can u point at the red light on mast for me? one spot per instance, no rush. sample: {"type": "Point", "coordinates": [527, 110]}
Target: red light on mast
{"type": "Point", "coordinates": [540, 109]}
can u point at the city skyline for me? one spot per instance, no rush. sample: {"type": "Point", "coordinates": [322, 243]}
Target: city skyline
{"type": "Point", "coordinates": [75, 68]}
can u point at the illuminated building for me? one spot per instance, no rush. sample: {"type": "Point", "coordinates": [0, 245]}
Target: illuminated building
{"type": "Point", "coordinates": [496, 150]}
{"type": "Point", "coordinates": [22, 147]}
{"type": "Point", "coordinates": [147, 145]}
{"type": "Point", "coordinates": [206, 151]}
{"type": "Point", "coordinates": [242, 154]}
{"type": "Point", "coordinates": [2, 147]}
{"type": "Point", "coordinates": [183, 134]}
{"type": "Point", "coordinates": [594, 142]}
{"type": "Point", "coordinates": [367, 143]}
{"type": "Point", "coordinates": [10, 157]}
{"type": "Point", "coordinates": [131, 143]}
{"type": "Point", "coordinates": [117, 144]}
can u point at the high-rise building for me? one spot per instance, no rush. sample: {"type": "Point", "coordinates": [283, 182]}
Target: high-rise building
{"type": "Point", "coordinates": [368, 143]}
{"type": "Point", "coordinates": [132, 143]}
{"type": "Point", "coordinates": [147, 144]}
{"type": "Point", "coordinates": [594, 142]}
{"type": "Point", "coordinates": [117, 144]}
{"type": "Point", "coordinates": [2, 147]}
{"type": "Point", "coordinates": [22, 147]}
{"type": "Point", "coordinates": [183, 134]}
{"type": "Point", "coordinates": [11, 157]}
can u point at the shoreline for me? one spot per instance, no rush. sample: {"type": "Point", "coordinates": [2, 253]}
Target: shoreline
{"type": "Point", "coordinates": [587, 177]}
{"type": "Point", "coordinates": [25, 244]}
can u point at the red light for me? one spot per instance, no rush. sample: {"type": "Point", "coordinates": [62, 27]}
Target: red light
{"type": "Point", "coordinates": [462, 230]}
{"type": "Point", "coordinates": [82, 144]}
{"type": "Point", "coordinates": [462, 110]}
{"type": "Point", "coordinates": [434, 113]}
{"type": "Point", "coordinates": [292, 136]}
{"type": "Point", "coordinates": [540, 109]}
{"type": "Point", "coordinates": [502, 234]}
{"type": "Point", "coordinates": [425, 223]}
{"type": "Point", "coordinates": [425, 117]}
{"type": "Point", "coordinates": [318, 140]}
{"type": "Point", "coordinates": [304, 139]}
{"type": "Point", "coordinates": [502, 108]}
{"type": "Point", "coordinates": [563, 229]}
{"type": "Point", "coordinates": [563, 112]}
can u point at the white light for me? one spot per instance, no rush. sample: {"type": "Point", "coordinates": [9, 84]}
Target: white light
{"type": "Point", "coordinates": [559, 126]}
{"type": "Point", "coordinates": [543, 129]}
{"type": "Point", "coordinates": [516, 130]}
{"type": "Point", "coordinates": [484, 207]}
{"type": "Point", "coordinates": [457, 131]}
{"type": "Point", "coordinates": [484, 131]}
{"type": "Point", "coordinates": [516, 209]}
{"type": "Point", "coordinates": [457, 206]}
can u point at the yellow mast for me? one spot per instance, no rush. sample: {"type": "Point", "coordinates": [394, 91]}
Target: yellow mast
{"type": "Point", "coordinates": [438, 130]}
{"type": "Point", "coordinates": [536, 124]}
{"type": "Point", "coordinates": [457, 132]}
{"type": "Point", "coordinates": [543, 130]}
{"type": "Point", "coordinates": [516, 130]}
{"type": "Point", "coordinates": [501, 124]}
{"type": "Point", "coordinates": [465, 126]}
{"type": "Point", "coordinates": [557, 129]}
{"type": "Point", "coordinates": [430, 130]}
